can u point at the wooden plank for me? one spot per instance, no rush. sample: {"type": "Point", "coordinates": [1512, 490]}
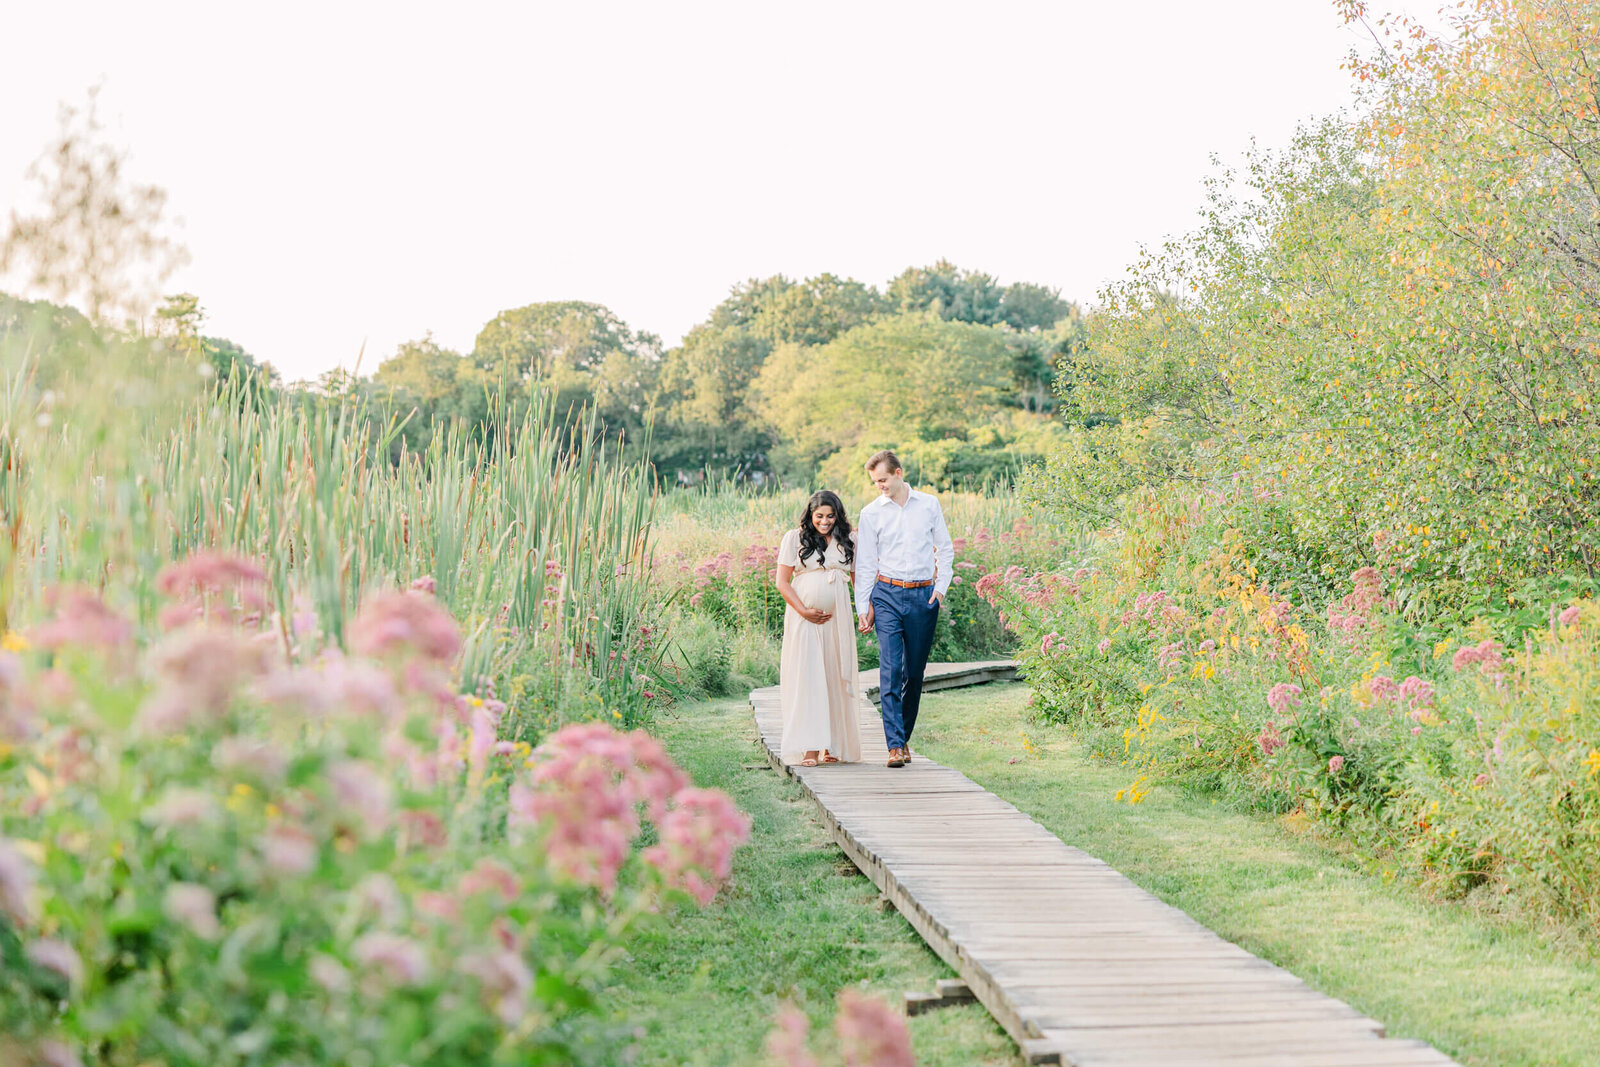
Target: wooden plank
{"type": "Point", "coordinates": [1077, 963]}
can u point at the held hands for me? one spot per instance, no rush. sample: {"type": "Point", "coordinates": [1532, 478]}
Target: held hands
{"type": "Point", "coordinates": [864, 624]}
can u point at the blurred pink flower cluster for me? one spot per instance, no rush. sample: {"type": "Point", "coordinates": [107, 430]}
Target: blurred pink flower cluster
{"type": "Point", "coordinates": [871, 1034]}
{"type": "Point", "coordinates": [583, 797]}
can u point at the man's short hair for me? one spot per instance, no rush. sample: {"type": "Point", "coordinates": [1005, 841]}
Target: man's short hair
{"type": "Point", "coordinates": [880, 458]}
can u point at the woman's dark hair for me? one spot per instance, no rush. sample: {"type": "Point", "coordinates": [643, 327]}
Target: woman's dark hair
{"type": "Point", "coordinates": [813, 542]}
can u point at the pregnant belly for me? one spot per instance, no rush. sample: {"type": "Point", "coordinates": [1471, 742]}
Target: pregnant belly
{"type": "Point", "coordinates": [817, 589]}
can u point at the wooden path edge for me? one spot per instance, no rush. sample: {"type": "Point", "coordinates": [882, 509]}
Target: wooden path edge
{"type": "Point", "coordinates": [1028, 1033]}
{"type": "Point", "coordinates": [1025, 1032]}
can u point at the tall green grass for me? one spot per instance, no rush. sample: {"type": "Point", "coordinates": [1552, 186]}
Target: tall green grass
{"type": "Point", "coordinates": [118, 455]}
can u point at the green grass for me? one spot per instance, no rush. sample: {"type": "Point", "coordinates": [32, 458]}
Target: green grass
{"type": "Point", "coordinates": [1480, 989]}
{"type": "Point", "coordinates": [797, 925]}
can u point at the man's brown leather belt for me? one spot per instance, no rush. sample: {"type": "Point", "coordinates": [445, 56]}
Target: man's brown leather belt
{"type": "Point", "coordinates": [904, 585]}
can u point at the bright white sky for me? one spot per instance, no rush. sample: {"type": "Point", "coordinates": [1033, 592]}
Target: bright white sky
{"type": "Point", "coordinates": [355, 174]}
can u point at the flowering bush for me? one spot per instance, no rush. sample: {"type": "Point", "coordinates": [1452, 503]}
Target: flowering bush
{"type": "Point", "coordinates": [240, 844]}
{"type": "Point", "coordinates": [1476, 761]}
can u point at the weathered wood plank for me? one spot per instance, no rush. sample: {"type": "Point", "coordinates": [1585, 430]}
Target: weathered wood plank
{"type": "Point", "coordinates": [1077, 963]}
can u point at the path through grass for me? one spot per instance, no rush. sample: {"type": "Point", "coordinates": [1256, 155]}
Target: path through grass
{"type": "Point", "coordinates": [798, 924]}
{"type": "Point", "coordinates": [1485, 992]}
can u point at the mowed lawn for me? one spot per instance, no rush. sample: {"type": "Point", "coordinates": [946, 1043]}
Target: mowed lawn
{"type": "Point", "coordinates": [797, 924]}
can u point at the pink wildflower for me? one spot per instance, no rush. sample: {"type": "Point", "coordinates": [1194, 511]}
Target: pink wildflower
{"type": "Point", "coordinates": [200, 585]}
{"type": "Point", "coordinates": [54, 1054]}
{"type": "Point", "coordinates": [1049, 642]}
{"type": "Point", "coordinates": [1269, 740]}
{"type": "Point", "coordinates": [198, 672]}
{"type": "Point", "coordinates": [55, 955]}
{"type": "Point", "coordinates": [786, 1044]}
{"type": "Point", "coordinates": [504, 978]}
{"type": "Point", "coordinates": [377, 896]}
{"type": "Point", "coordinates": [441, 906]}
{"type": "Point", "coordinates": [1382, 689]}
{"type": "Point", "coordinates": [395, 960]}
{"type": "Point", "coordinates": [487, 876]}
{"type": "Point", "coordinates": [81, 619]}
{"type": "Point", "coordinates": [988, 586]}
{"type": "Point", "coordinates": [871, 1033]}
{"type": "Point", "coordinates": [194, 907]}
{"type": "Point", "coordinates": [581, 796]}
{"type": "Point", "coordinates": [1335, 764]}
{"type": "Point", "coordinates": [422, 827]}
{"type": "Point", "coordinates": [16, 884]}
{"type": "Point", "coordinates": [1104, 646]}
{"type": "Point", "coordinates": [1283, 698]}
{"type": "Point", "coordinates": [1417, 693]}
{"type": "Point", "coordinates": [425, 584]}
{"type": "Point", "coordinates": [1486, 654]}
{"type": "Point", "coordinates": [698, 837]}
{"type": "Point", "coordinates": [289, 850]}
{"type": "Point", "coordinates": [392, 623]}
{"type": "Point", "coordinates": [260, 760]}
{"type": "Point", "coordinates": [364, 794]}
{"type": "Point", "coordinates": [1481, 780]}
{"type": "Point", "coordinates": [329, 973]}
{"type": "Point", "coordinates": [182, 806]}
{"type": "Point", "coordinates": [1570, 616]}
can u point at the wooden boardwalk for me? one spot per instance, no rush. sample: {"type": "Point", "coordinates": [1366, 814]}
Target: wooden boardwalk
{"type": "Point", "coordinates": [1077, 963]}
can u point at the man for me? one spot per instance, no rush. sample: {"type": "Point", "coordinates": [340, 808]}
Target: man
{"type": "Point", "coordinates": [904, 560]}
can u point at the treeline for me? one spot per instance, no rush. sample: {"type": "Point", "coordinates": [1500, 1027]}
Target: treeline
{"type": "Point", "coordinates": [789, 379]}
{"type": "Point", "coordinates": [783, 378]}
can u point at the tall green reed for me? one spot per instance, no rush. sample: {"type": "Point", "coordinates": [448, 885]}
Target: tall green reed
{"type": "Point", "coordinates": [118, 456]}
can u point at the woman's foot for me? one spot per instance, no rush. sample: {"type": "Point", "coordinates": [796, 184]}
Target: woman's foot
{"type": "Point", "coordinates": [810, 760]}
{"type": "Point", "coordinates": [829, 757]}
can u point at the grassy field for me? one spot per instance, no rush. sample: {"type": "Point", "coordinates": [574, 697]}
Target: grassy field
{"type": "Point", "coordinates": [797, 925]}
{"type": "Point", "coordinates": [1483, 991]}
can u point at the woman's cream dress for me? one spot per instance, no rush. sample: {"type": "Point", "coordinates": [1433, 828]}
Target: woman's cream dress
{"type": "Point", "coordinates": [818, 684]}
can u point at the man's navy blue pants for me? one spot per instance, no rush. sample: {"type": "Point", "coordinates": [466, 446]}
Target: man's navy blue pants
{"type": "Point", "coordinates": [905, 622]}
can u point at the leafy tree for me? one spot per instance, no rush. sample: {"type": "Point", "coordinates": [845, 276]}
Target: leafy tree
{"type": "Point", "coordinates": [904, 377]}
{"type": "Point", "coordinates": [230, 362]}
{"type": "Point", "coordinates": [1394, 334]}
{"type": "Point", "coordinates": [703, 401]}
{"type": "Point", "coordinates": [949, 292]}
{"type": "Point", "coordinates": [426, 385]}
{"type": "Point", "coordinates": [815, 311]}
{"type": "Point", "coordinates": [582, 352]}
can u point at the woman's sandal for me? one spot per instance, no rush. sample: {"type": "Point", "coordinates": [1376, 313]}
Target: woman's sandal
{"type": "Point", "coordinates": [829, 757]}
{"type": "Point", "coordinates": [809, 761]}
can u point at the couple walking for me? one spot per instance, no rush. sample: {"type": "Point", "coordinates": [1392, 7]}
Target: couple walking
{"type": "Point", "coordinates": [901, 560]}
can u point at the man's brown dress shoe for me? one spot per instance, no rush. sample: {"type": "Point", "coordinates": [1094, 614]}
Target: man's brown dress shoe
{"type": "Point", "coordinates": [897, 757]}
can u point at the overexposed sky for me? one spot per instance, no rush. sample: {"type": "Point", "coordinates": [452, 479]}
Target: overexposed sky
{"type": "Point", "coordinates": [355, 174]}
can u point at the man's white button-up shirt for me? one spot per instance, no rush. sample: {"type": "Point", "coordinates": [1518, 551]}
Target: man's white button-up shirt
{"type": "Point", "coordinates": [906, 541]}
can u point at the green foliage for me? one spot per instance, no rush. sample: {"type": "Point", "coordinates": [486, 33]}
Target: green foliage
{"type": "Point", "coordinates": [582, 352]}
{"type": "Point", "coordinates": [972, 296]}
{"type": "Point", "coordinates": [1393, 326]}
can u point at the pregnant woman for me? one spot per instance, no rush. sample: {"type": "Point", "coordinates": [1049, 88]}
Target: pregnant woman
{"type": "Point", "coordinates": [817, 683]}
